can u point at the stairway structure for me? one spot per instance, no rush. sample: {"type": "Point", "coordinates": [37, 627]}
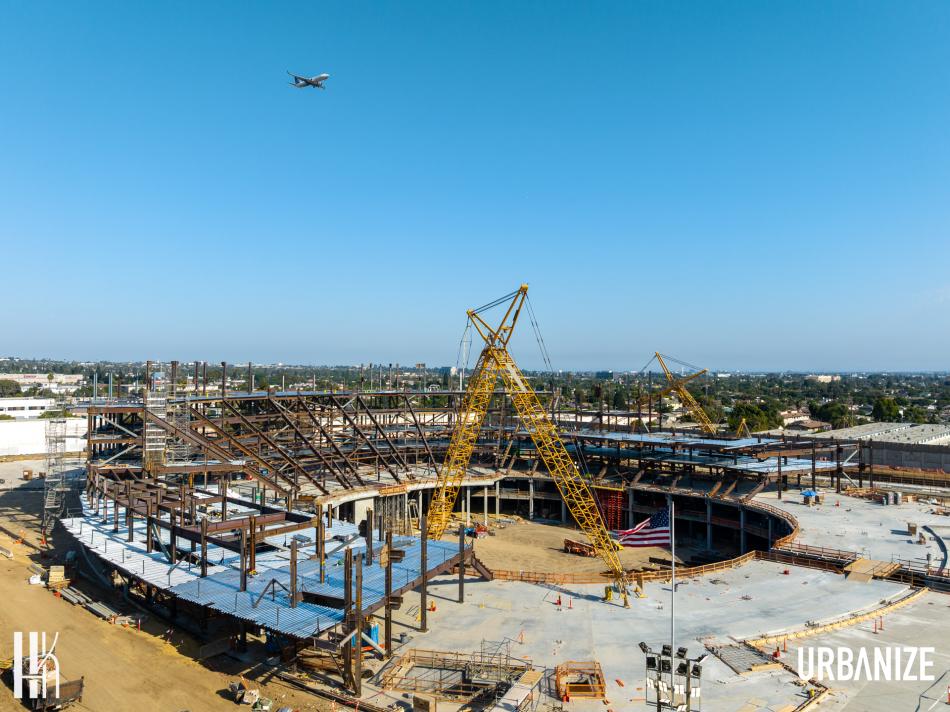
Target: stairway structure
{"type": "Point", "coordinates": [54, 484]}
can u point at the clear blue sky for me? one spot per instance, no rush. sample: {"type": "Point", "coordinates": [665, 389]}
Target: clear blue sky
{"type": "Point", "coordinates": [744, 185]}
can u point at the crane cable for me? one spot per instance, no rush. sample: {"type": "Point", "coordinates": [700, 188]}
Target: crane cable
{"type": "Point", "coordinates": [495, 303]}
{"type": "Point", "coordinates": [537, 335]}
{"type": "Point", "coordinates": [465, 347]}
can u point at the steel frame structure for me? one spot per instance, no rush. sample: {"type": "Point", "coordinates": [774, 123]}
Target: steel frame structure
{"type": "Point", "coordinates": [294, 444]}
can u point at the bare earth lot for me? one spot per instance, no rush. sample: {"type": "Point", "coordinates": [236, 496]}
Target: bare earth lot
{"type": "Point", "coordinates": [531, 546]}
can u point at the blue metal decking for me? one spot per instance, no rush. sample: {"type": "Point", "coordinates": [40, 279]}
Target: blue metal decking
{"type": "Point", "coordinates": [220, 589]}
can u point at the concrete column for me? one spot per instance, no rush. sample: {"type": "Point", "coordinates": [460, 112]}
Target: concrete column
{"type": "Point", "coordinates": [741, 529]}
{"type": "Point", "coordinates": [630, 512]}
{"type": "Point", "coordinates": [563, 512]}
{"type": "Point", "coordinates": [530, 499]}
{"type": "Point", "coordinates": [498, 498]}
{"type": "Point", "coordinates": [485, 502]}
{"type": "Point", "coordinates": [709, 526]}
{"type": "Point", "coordinates": [770, 532]}
{"type": "Point", "coordinates": [468, 506]}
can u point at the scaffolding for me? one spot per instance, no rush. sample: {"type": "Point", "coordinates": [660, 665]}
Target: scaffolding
{"type": "Point", "coordinates": [580, 679]}
{"type": "Point", "coordinates": [155, 438]}
{"type": "Point", "coordinates": [471, 678]}
{"type": "Point", "coordinates": [179, 450]}
{"type": "Point", "coordinates": [55, 482]}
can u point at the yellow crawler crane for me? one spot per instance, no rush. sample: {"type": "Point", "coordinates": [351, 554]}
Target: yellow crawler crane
{"type": "Point", "coordinates": [743, 429]}
{"type": "Point", "coordinates": [644, 399]}
{"type": "Point", "coordinates": [494, 361]}
{"type": "Point", "coordinates": [694, 408]}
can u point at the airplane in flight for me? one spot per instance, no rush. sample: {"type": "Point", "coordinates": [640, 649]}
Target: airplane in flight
{"type": "Point", "coordinates": [304, 82]}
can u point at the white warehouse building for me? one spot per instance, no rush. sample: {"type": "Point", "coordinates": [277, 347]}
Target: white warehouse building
{"type": "Point", "coordinates": [20, 408]}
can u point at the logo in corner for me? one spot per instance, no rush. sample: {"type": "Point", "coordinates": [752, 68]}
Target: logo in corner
{"type": "Point", "coordinates": [40, 668]}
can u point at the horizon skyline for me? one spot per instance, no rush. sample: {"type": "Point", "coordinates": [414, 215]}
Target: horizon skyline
{"type": "Point", "coordinates": [712, 371]}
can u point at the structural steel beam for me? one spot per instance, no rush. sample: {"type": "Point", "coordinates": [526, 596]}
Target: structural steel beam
{"type": "Point", "coordinates": [209, 447]}
{"type": "Point", "coordinates": [280, 451]}
{"type": "Point", "coordinates": [327, 462]}
{"type": "Point", "coordinates": [246, 451]}
{"type": "Point", "coordinates": [325, 433]}
{"type": "Point", "coordinates": [372, 446]}
{"type": "Point", "coordinates": [392, 447]}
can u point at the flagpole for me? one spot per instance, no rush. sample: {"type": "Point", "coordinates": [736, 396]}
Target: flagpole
{"type": "Point", "coordinates": [672, 596]}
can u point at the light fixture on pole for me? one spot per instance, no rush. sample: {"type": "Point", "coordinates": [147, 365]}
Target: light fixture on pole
{"type": "Point", "coordinates": [672, 679]}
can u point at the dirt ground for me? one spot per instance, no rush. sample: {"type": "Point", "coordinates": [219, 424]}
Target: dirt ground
{"type": "Point", "coordinates": [532, 546]}
{"type": "Point", "coordinates": [124, 669]}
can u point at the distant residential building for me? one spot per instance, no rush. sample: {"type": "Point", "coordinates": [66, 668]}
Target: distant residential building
{"type": "Point", "coordinates": [604, 375]}
{"type": "Point", "coordinates": [823, 377]}
{"type": "Point", "coordinates": [793, 416]}
{"type": "Point", "coordinates": [809, 425]}
{"type": "Point", "coordinates": [22, 408]}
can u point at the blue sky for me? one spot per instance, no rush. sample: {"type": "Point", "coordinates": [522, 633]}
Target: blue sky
{"type": "Point", "coordinates": [744, 185]}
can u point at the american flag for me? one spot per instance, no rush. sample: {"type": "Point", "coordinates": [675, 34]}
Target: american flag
{"type": "Point", "coordinates": [654, 531]}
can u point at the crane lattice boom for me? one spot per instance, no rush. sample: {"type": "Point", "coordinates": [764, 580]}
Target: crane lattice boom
{"type": "Point", "coordinates": [494, 360]}
{"type": "Point", "coordinates": [481, 385]}
{"type": "Point", "coordinates": [695, 408]}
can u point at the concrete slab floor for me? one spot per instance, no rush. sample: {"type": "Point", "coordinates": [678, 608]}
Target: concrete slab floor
{"type": "Point", "coordinates": [922, 623]}
{"type": "Point", "coordinates": [740, 603]}
{"type": "Point", "coordinates": [860, 525]}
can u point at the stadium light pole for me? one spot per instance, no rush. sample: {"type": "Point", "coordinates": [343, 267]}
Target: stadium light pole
{"type": "Point", "coordinates": [685, 674]}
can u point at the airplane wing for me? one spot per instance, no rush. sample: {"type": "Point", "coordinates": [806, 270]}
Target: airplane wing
{"type": "Point", "coordinates": [297, 78]}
